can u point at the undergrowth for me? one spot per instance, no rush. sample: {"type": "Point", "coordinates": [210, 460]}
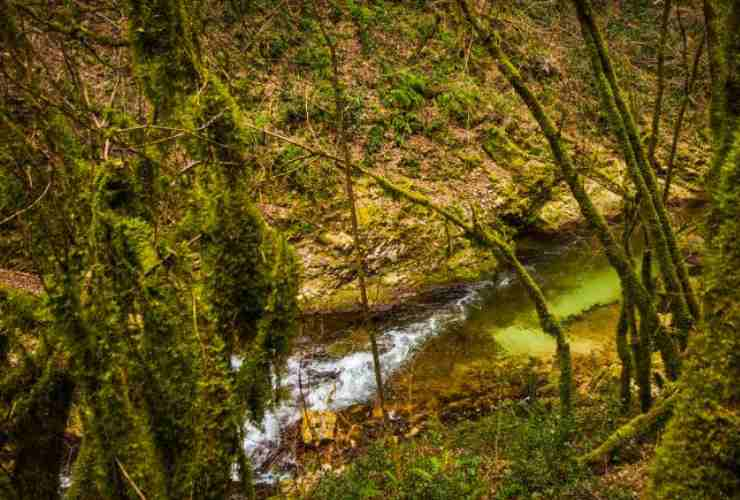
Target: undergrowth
{"type": "Point", "coordinates": [521, 450]}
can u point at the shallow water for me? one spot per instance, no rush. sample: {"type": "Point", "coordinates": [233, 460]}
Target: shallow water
{"type": "Point", "coordinates": [490, 318]}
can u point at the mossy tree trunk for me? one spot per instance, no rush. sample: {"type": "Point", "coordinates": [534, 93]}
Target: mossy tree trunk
{"type": "Point", "coordinates": [717, 74]}
{"type": "Point", "coordinates": [639, 425]}
{"type": "Point", "coordinates": [36, 393]}
{"type": "Point", "coordinates": [698, 455]}
{"type": "Point", "coordinates": [640, 336]}
{"type": "Point", "coordinates": [685, 305]}
{"type": "Point", "coordinates": [162, 409]}
{"type": "Point", "coordinates": [625, 356]}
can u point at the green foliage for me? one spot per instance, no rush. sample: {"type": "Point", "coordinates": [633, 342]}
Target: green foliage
{"type": "Point", "coordinates": [405, 472]}
{"type": "Point", "coordinates": [128, 328]}
{"type": "Point", "coordinates": [375, 139]}
{"type": "Point", "coordinates": [543, 461]}
{"type": "Point", "coordinates": [410, 166]}
{"type": "Point", "coordinates": [11, 192]}
{"type": "Point", "coordinates": [363, 18]}
{"type": "Point", "coordinates": [405, 124]}
{"type": "Point", "coordinates": [314, 56]}
{"type": "Point", "coordinates": [226, 124]}
{"type": "Point", "coordinates": [12, 199]}
{"type": "Point", "coordinates": [250, 274]}
{"type": "Point", "coordinates": [408, 91]}
{"type": "Point", "coordinates": [460, 103]}
{"type": "Point", "coordinates": [407, 94]}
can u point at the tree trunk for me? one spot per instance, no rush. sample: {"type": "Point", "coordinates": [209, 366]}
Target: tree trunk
{"type": "Point", "coordinates": [699, 451]}
{"type": "Point", "coordinates": [343, 139]}
{"type": "Point", "coordinates": [658, 107]}
{"type": "Point", "coordinates": [625, 378]}
{"type": "Point", "coordinates": [40, 449]}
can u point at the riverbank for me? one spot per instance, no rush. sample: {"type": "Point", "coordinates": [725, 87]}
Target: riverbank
{"type": "Point", "coordinates": [502, 439]}
{"type": "Point", "coordinates": [439, 268]}
{"type": "Point", "coordinates": [513, 447]}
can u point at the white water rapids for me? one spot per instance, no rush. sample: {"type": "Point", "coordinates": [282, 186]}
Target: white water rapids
{"type": "Point", "coordinates": [335, 384]}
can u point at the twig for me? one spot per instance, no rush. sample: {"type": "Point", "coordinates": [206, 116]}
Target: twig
{"type": "Point", "coordinates": [125, 474]}
{"type": "Point", "coordinates": [29, 207]}
{"type": "Point", "coordinates": [688, 88]}
{"type": "Point", "coordinates": [658, 106]}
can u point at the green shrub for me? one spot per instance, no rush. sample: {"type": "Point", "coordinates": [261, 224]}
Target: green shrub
{"type": "Point", "coordinates": [459, 103]}
{"type": "Point", "coordinates": [408, 472]}
{"type": "Point", "coordinates": [375, 139]}
{"type": "Point", "coordinates": [542, 455]}
{"type": "Point", "coordinates": [405, 124]}
{"type": "Point", "coordinates": [408, 91]}
{"type": "Point", "coordinates": [315, 57]}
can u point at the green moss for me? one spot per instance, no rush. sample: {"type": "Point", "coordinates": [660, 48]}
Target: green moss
{"type": "Point", "coordinates": [166, 48]}
{"type": "Point", "coordinates": [502, 149]}
{"type": "Point", "coordinates": [460, 102]}
{"type": "Point", "coordinates": [699, 455]}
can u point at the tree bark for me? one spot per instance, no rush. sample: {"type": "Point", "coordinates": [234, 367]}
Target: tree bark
{"type": "Point", "coordinates": [698, 455]}
{"type": "Point", "coordinates": [658, 107]}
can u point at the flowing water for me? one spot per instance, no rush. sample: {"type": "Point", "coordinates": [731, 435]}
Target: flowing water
{"type": "Point", "coordinates": [490, 318]}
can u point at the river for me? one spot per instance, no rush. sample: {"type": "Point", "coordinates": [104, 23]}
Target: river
{"type": "Point", "coordinates": [493, 317]}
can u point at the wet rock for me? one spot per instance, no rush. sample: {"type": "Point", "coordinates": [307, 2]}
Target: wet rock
{"type": "Point", "coordinates": [318, 426]}
{"type": "Point", "coordinates": [321, 375]}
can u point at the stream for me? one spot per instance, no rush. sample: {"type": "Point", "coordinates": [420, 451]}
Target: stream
{"type": "Point", "coordinates": [490, 318]}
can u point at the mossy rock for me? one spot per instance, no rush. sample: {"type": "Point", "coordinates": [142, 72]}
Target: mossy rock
{"type": "Point", "coordinates": [339, 241]}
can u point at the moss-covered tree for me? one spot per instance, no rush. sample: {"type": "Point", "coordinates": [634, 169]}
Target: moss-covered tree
{"type": "Point", "coordinates": [139, 320]}
{"type": "Point", "coordinates": [699, 456]}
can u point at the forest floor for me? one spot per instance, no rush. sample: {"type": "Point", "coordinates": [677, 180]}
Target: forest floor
{"type": "Point", "coordinates": [453, 130]}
